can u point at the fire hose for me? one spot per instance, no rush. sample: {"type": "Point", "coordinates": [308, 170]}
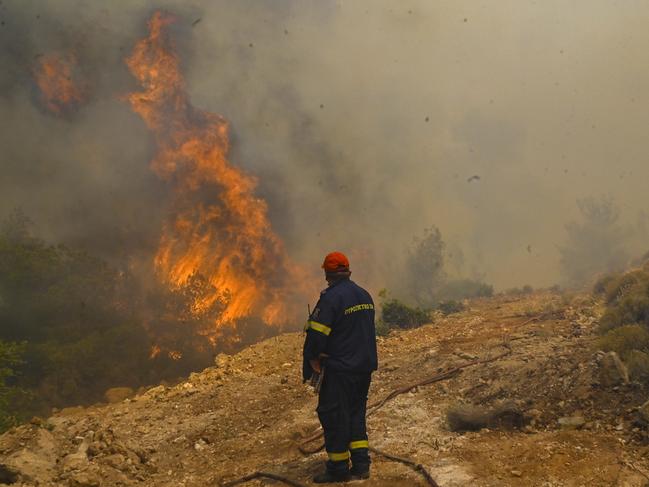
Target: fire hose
{"type": "Point", "coordinates": [372, 408]}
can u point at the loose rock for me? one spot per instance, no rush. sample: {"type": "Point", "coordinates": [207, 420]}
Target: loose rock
{"type": "Point", "coordinates": [612, 371]}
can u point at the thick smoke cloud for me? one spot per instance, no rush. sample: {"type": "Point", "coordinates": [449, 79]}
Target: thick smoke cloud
{"type": "Point", "coordinates": [363, 121]}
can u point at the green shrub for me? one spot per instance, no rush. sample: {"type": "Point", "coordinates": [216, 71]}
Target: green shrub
{"type": "Point", "coordinates": [10, 360]}
{"type": "Point", "coordinates": [602, 284]}
{"type": "Point", "coordinates": [625, 322]}
{"type": "Point", "coordinates": [623, 284]}
{"type": "Point", "coordinates": [86, 326]}
{"type": "Point", "coordinates": [633, 308]}
{"type": "Point", "coordinates": [396, 314]}
{"type": "Point", "coordinates": [625, 338]}
{"type": "Point", "coordinates": [449, 307]}
{"type": "Point", "coordinates": [458, 289]}
{"type": "Point", "coordinates": [637, 363]}
{"type": "Point", "coordinates": [382, 328]}
{"type": "Point", "coordinates": [631, 343]}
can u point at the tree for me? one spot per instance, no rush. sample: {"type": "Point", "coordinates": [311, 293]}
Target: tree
{"type": "Point", "coordinates": [16, 227]}
{"type": "Point", "coordinates": [595, 243]}
{"type": "Point", "coordinates": [425, 267]}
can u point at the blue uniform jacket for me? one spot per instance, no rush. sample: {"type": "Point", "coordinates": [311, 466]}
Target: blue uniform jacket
{"type": "Point", "coordinates": [342, 327]}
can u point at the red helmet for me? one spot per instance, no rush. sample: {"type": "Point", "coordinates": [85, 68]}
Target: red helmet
{"type": "Point", "coordinates": [335, 262]}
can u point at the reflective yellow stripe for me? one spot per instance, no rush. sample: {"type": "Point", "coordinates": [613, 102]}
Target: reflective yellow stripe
{"type": "Point", "coordinates": [355, 445]}
{"type": "Point", "coordinates": [337, 457]}
{"type": "Point", "coordinates": [314, 325]}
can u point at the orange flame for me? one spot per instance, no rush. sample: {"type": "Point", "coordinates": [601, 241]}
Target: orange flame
{"type": "Point", "coordinates": [175, 355]}
{"type": "Point", "coordinates": [217, 226]}
{"type": "Point", "coordinates": [55, 78]}
{"type": "Point", "coordinates": [155, 351]}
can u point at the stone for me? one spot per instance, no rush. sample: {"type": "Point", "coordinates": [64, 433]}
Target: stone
{"type": "Point", "coordinates": [96, 447]}
{"type": "Point", "coordinates": [154, 391]}
{"type": "Point", "coordinates": [72, 411]}
{"type": "Point", "coordinates": [222, 360]}
{"type": "Point", "coordinates": [467, 417]}
{"type": "Point", "coordinates": [77, 460]}
{"type": "Point", "coordinates": [36, 462]}
{"type": "Point", "coordinates": [118, 394]}
{"type": "Point", "coordinates": [115, 460]}
{"type": "Point", "coordinates": [200, 445]}
{"type": "Point", "coordinates": [88, 478]}
{"type": "Point", "coordinates": [465, 355]}
{"type": "Point", "coordinates": [612, 371]}
{"type": "Point", "coordinates": [572, 422]}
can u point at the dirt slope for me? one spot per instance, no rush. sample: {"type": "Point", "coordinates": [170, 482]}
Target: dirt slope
{"type": "Point", "coordinates": [249, 411]}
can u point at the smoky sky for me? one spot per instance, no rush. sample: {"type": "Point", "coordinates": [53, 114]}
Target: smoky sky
{"type": "Point", "coordinates": [364, 122]}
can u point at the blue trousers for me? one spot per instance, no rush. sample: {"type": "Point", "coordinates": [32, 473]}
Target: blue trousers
{"type": "Point", "coordinates": [342, 406]}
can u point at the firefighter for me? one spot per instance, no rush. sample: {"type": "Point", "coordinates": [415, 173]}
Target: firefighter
{"type": "Point", "coordinates": [341, 344]}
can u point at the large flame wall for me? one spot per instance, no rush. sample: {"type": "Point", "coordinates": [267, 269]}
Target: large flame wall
{"type": "Point", "coordinates": [217, 227]}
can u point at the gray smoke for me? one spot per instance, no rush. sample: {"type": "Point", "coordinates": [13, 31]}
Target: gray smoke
{"type": "Point", "coordinates": [365, 122]}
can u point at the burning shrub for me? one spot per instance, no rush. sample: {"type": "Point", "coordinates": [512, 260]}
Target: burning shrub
{"type": "Point", "coordinates": [217, 225]}
{"type": "Point", "coordinates": [87, 326]}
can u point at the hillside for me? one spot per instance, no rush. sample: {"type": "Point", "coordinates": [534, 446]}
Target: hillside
{"type": "Point", "coordinates": [249, 412]}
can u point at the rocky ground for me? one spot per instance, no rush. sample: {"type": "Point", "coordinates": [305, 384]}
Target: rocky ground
{"type": "Point", "coordinates": [582, 423]}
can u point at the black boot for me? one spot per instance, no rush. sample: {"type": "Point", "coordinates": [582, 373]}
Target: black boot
{"type": "Point", "coordinates": [360, 472]}
{"type": "Point", "coordinates": [330, 478]}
